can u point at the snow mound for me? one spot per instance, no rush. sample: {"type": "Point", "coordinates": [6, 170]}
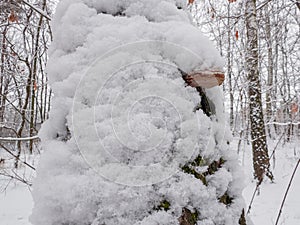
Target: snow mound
{"type": "Point", "coordinates": [123, 126]}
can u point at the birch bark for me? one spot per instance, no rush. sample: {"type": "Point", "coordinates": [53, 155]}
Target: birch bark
{"type": "Point", "coordinates": [258, 133]}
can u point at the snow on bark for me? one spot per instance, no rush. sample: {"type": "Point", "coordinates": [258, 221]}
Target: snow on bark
{"type": "Point", "coordinates": [258, 133]}
{"type": "Point", "coordinates": [123, 144]}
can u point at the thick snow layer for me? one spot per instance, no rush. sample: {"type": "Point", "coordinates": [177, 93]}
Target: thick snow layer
{"type": "Point", "coordinates": [122, 122]}
{"type": "Point", "coordinates": [16, 202]}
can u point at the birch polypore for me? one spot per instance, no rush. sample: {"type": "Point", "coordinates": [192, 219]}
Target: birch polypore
{"type": "Point", "coordinates": [205, 79]}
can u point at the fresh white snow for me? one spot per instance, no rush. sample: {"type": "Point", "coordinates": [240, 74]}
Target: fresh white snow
{"type": "Point", "coordinates": [122, 124]}
{"type": "Point", "coordinates": [121, 104]}
{"type": "Point", "coordinates": [16, 202]}
{"type": "Point", "coordinates": [265, 207]}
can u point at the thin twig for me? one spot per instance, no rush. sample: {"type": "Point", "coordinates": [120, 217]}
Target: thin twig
{"type": "Point", "coordinates": [252, 199]}
{"type": "Point", "coordinates": [16, 177]}
{"type": "Point", "coordinates": [272, 156]}
{"type": "Point", "coordinates": [263, 5]}
{"type": "Point", "coordinates": [258, 184]}
{"type": "Point", "coordinates": [16, 157]}
{"type": "Point", "coordinates": [286, 192]}
{"type": "Point", "coordinates": [41, 12]}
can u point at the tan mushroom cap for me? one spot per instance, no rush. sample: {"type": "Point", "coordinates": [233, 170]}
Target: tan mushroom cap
{"type": "Point", "coordinates": [205, 79]}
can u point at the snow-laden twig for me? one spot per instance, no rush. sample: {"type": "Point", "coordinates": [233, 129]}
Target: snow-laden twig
{"type": "Point", "coordinates": [286, 192]}
{"type": "Point", "coordinates": [283, 124]}
{"type": "Point", "coordinates": [19, 139]}
{"type": "Point", "coordinates": [273, 152]}
{"type": "Point", "coordinates": [263, 4]}
{"type": "Point", "coordinates": [43, 13]}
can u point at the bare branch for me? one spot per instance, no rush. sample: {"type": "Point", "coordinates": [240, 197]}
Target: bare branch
{"type": "Point", "coordinates": [16, 157]}
{"type": "Point", "coordinates": [43, 13]}
{"type": "Point", "coordinates": [287, 190]}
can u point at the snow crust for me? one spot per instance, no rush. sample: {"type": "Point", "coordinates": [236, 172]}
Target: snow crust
{"type": "Point", "coordinates": [122, 122]}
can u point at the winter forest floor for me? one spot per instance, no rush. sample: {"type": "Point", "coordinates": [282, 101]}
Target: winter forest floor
{"type": "Point", "coordinates": [16, 201]}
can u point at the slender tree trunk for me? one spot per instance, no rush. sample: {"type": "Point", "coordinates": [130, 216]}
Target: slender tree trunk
{"type": "Point", "coordinates": [275, 68]}
{"type": "Point", "coordinates": [258, 133]}
{"type": "Point", "coordinates": [229, 71]}
{"type": "Point", "coordinates": [23, 114]}
{"type": "Point", "coordinates": [2, 71]}
{"type": "Point", "coordinates": [270, 71]}
{"type": "Point", "coordinates": [34, 79]}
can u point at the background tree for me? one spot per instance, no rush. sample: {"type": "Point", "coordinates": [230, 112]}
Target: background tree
{"type": "Point", "coordinates": [261, 160]}
{"type": "Point", "coordinates": [24, 90]}
{"type": "Point", "coordinates": [278, 57]}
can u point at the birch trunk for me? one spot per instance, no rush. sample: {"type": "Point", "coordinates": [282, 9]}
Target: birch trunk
{"type": "Point", "coordinates": [258, 133]}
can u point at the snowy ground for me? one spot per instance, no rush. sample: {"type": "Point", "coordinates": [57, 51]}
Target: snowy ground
{"type": "Point", "coordinates": [16, 202]}
{"type": "Point", "coordinates": [266, 206]}
{"type": "Point", "coordinates": [15, 205]}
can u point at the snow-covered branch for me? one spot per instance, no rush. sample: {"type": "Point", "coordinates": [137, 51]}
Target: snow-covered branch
{"type": "Point", "coordinates": [284, 124]}
{"type": "Point", "coordinates": [19, 139]}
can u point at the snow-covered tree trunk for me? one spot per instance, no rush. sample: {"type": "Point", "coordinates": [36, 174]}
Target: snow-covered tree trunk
{"type": "Point", "coordinates": [127, 141]}
{"type": "Point", "coordinates": [258, 133]}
